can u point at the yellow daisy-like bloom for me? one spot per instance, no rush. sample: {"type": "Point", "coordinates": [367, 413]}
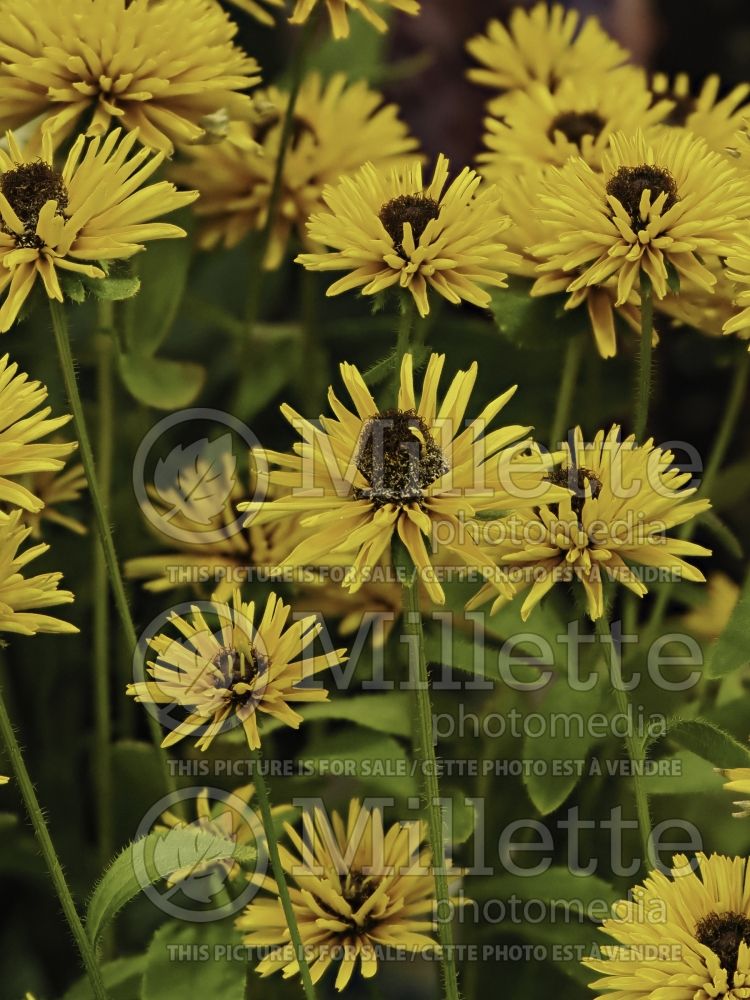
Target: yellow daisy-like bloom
{"type": "Point", "coordinates": [225, 818]}
{"type": "Point", "coordinates": [158, 66]}
{"type": "Point", "coordinates": [22, 424]}
{"type": "Point", "coordinates": [738, 783]}
{"type": "Point", "coordinates": [541, 127]}
{"type": "Point", "coordinates": [686, 937]}
{"type": "Point", "coordinates": [387, 228]}
{"type": "Point", "coordinates": [738, 271]}
{"type": "Point", "coordinates": [338, 126]}
{"type": "Point", "coordinates": [20, 596]}
{"type": "Point", "coordinates": [338, 12]}
{"type": "Point", "coordinates": [95, 209]}
{"type": "Point", "coordinates": [715, 120]}
{"type": "Point", "coordinates": [356, 890]}
{"type": "Point", "coordinates": [225, 678]}
{"type": "Point", "coordinates": [624, 499]}
{"type": "Point", "coordinates": [542, 45]}
{"type": "Point", "coordinates": [416, 470]}
{"type": "Point", "coordinates": [659, 207]}
{"type": "Point", "coordinates": [256, 9]}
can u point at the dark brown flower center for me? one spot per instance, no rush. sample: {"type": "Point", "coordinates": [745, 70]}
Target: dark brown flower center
{"type": "Point", "coordinates": [581, 481]}
{"type": "Point", "coordinates": [574, 125]}
{"type": "Point", "coordinates": [356, 890]}
{"type": "Point", "coordinates": [415, 209]}
{"type": "Point", "coordinates": [723, 933]}
{"type": "Point", "coordinates": [629, 183]}
{"type": "Point", "coordinates": [28, 188]}
{"type": "Point", "coordinates": [238, 668]}
{"type": "Point", "coordinates": [398, 457]}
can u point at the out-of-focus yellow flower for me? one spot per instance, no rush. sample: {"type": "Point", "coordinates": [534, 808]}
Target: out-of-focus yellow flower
{"type": "Point", "coordinates": [338, 12]}
{"type": "Point", "coordinates": [717, 120]}
{"type": "Point", "coordinates": [709, 619]}
{"type": "Point", "coordinates": [256, 9]}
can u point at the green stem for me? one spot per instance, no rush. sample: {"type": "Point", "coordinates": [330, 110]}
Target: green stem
{"type": "Point", "coordinates": [261, 791]}
{"type": "Point", "coordinates": [719, 450]}
{"type": "Point", "coordinates": [403, 340]}
{"type": "Point", "coordinates": [425, 751]}
{"type": "Point", "coordinates": [571, 369]}
{"type": "Point", "coordinates": [634, 747]}
{"type": "Point", "coordinates": [62, 338]}
{"type": "Point", "coordinates": [57, 875]}
{"type": "Point", "coordinates": [645, 375]}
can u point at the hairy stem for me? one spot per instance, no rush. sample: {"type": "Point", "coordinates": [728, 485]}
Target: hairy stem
{"type": "Point", "coordinates": [570, 372]}
{"type": "Point", "coordinates": [645, 375]}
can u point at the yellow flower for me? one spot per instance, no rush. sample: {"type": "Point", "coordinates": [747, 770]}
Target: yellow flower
{"type": "Point", "coordinates": [338, 126]}
{"type": "Point", "coordinates": [661, 207]}
{"type": "Point", "coordinates": [709, 619]}
{"type": "Point", "coordinates": [225, 678]}
{"type": "Point", "coordinates": [19, 596]}
{"type": "Point", "coordinates": [255, 9]}
{"type": "Point", "coordinates": [417, 470]}
{"type": "Point", "coordinates": [715, 120]}
{"type": "Point", "coordinates": [95, 209]}
{"type": "Point", "coordinates": [22, 424]}
{"type": "Point", "coordinates": [158, 66]}
{"type": "Point", "coordinates": [543, 45]}
{"type": "Point", "coordinates": [624, 499]}
{"type": "Point", "coordinates": [738, 783]}
{"type": "Point", "coordinates": [541, 127]}
{"type": "Point", "coordinates": [738, 271]}
{"type": "Point", "coordinates": [4, 779]}
{"type": "Point", "coordinates": [227, 819]}
{"type": "Point", "coordinates": [387, 228]}
{"type": "Point", "coordinates": [357, 891]}
{"type": "Point", "coordinates": [338, 12]}
{"type": "Point", "coordinates": [687, 936]}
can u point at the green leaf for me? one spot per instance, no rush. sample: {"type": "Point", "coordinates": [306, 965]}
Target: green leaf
{"type": "Point", "coordinates": [146, 862]}
{"type": "Point", "coordinates": [684, 773]}
{"type": "Point", "coordinates": [114, 289]}
{"type": "Point", "coordinates": [149, 317]}
{"type": "Point", "coordinates": [163, 384]}
{"type": "Point", "coordinates": [122, 980]}
{"type": "Point", "coordinates": [368, 759]}
{"type": "Point", "coordinates": [708, 741]}
{"type": "Point", "coordinates": [673, 278]}
{"type": "Point", "coordinates": [211, 972]}
{"type": "Point", "coordinates": [73, 288]}
{"type": "Point", "coordinates": [731, 651]}
{"type": "Point", "coordinates": [558, 884]}
{"type": "Point", "coordinates": [387, 713]}
{"type": "Point", "coordinates": [537, 323]}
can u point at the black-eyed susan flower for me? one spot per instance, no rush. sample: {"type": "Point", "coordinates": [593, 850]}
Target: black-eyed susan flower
{"type": "Point", "coordinates": [738, 783]}
{"type": "Point", "coordinates": [419, 471]}
{"type": "Point", "coordinates": [542, 45]}
{"type": "Point", "coordinates": [226, 817]}
{"type": "Point", "coordinates": [159, 67]}
{"type": "Point", "coordinates": [357, 891]}
{"type": "Point", "coordinates": [541, 127]}
{"type": "Point", "coordinates": [96, 208]}
{"type": "Point", "coordinates": [257, 9]}
{"type": "Point", "coordinates": [22, 425]}
{"type": "Point", "coordinates": [224, 677]}
{"type": "Point", "coordinates": [338, 126]}
{"type": "Point", "coordinates": [21, 597]}
{"type": "Point", "coordinates": [716, 119]}
{"type": "Point", "coordinates": [685, 936]}
{"type": "Point", "coordinates": [388, 228]}
{"type": "Point", "coordinates": [624, 499]}
{"type": "Point", "coordinates": [661, 206]}
{"type": "Point", "coordinates": [338, 12]}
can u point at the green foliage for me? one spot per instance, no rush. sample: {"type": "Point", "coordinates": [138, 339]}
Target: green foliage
{"type": "Point", "coordinates": [730, 651]}
{"type": "Point", "coordinates": [214, 970]}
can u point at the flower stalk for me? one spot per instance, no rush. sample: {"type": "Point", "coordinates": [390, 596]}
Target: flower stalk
{"type": "Point", "coordinates": [645, 374]}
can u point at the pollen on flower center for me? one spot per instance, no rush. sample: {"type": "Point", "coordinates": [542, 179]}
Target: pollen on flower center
{"type": "Point", "coordinates": [398, 457]}
{"type": "Point", "coordinates": [723, 933]}
{"type": "Point", "coordinates": [415, 209]}
{"type": "Point", "coordinates": [581, 481]}
{"type": "Point", "coordinates": [237, 668]}
{"type": "Point", "coordinates": [28, 188]}
{"type": "Point", "coordinates": [356, 891]}
{"type": "Point", "coordinates": [574, 125]}
{"type": "Point", "coordinates": [629, 183]}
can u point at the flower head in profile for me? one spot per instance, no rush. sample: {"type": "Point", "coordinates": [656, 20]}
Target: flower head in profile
{"type": "Point", "coordinates": [666, 207]}
{"type": "Point", "coordinates": [338, 126]}
{"type": "Point", "coordinates": [257, 9]}
{"type": "Point", "coordinates": [94, 209]}
{"type": "Point", "coordinates": [21, 597]}
{"type": "Point", "coordinates": [700, 920]}
{"type": "Point", "coordinates": [388, 228]}
{"type": "Point", "coordinates": [22, 425]}
{"type": "Point", "coordinates": [357, 890]}
{"type": "Point", "coordinates": [623, 498]}
{"type": "Point", "coordinates": [224, 677]}
{"type": "Point", "coordinates": [338, 11]}
{"type": "Point", "coordinates": [161, 67]}
{"type": "Point", "coordinates": [715, 118]}
{"type": "Point", "coordinates": [738, 783]}
{"type": "Point", "coordinates": [418, 471]}
{"type": "Point", "coordinates": [542, 45]}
